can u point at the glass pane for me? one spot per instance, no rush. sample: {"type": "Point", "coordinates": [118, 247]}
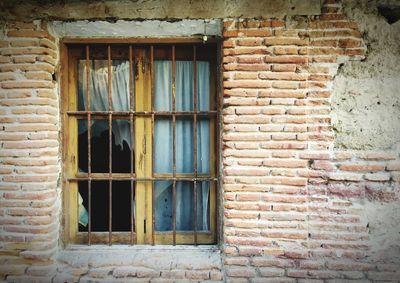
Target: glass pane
{"type": "Point", "coordinates": [184, 146]}
{"type": "Point", "coordinates": [203, 86]}
{"type": "Point", "coordinates": [203, 146]}
{"type": "Point", "coordinates": [162, 85]}
{"type": "Point", "coordinates": [121, 206]}
{"type": "Point", "coordinates": [163, 146]}
{"type": "Point", "coordinates": [163, 135]}
{"type": "Point", "coordinates": [98, 85]}
{"type": "Point", "coordinates": [203, 206]}
{"type": "Point", "coordinates": [184, 83]}
{"type": "Point", "coordinates": [184, 206]}
{"type": "Point", "coordinates": [163, 205]}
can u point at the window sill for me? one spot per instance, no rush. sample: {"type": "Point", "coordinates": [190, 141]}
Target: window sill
{"type": "Point", "coordinates": [210, 248]}
{"type": "Point", "coordinates": [205, 257]}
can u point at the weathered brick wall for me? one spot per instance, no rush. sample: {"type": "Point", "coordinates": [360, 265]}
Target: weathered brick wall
{"type": "Point", "coordinates": [292, 204]}
{"type": "Point", "coordinates": [29, 164]}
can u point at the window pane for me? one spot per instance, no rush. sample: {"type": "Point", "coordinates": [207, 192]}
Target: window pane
{"type": "Point", "coordinates": [98, 85]}
{"type": "Point", "coordinates": [121, 206]}
{"type": "Point", "coordinates": [163, 146]}
{"type": "Point", "coordinates": [203, 146]}
{"type": "Point", "coordinates": [184, 206]}
{"type": "Point", "coordinates": [203, 206]}
{"type": "Point", "coordinates": [184, 146]}
{"type": "Point", "coordinates": [184, 82]}
{"type": "Point", "coordinates": [162, 86]}
{"type": "Point", "coordinates": [184, 86]}
{"type": "Point", "coordinates": [163, 135]}
{"type": "Point", "coordinates": [163, 205]}
{"type": "Point", "coordinates": [122, 144]}
{"type": "Point", "coordinates": [203, 86]}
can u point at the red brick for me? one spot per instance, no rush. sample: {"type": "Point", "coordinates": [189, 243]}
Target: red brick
{"type": "Point", "coordinates": [285, 41]}
{"type": "Point", "coordinates": [249, 42]}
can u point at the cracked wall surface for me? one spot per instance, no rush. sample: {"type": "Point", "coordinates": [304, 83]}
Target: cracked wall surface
{"type": "Point", "coordinates": [366, 95]}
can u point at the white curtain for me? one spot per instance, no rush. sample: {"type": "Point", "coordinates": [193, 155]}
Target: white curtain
{"type": "Point", "coordinates": [99, 96]}
{"type": "Point", "coordinates": [184, 80]}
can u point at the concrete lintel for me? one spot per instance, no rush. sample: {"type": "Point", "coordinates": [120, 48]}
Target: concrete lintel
{"type": "Point", "coordinates": [149, 28]}
{"type": "Point", "coordinates": [157, 9]}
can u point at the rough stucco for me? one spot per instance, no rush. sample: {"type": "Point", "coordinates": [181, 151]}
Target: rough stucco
{"type": "Point", "coordinates": [384, 230]}
{"type": "Point", "coordinates": [366, 99]}
{"type": "Point", "coordinates": [145, 9]}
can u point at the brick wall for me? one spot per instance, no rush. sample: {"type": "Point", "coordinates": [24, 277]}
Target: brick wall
{"type": "Point", "coordinates": [293, 205]}
{"type": "Point", "coordinates": [29, 164]}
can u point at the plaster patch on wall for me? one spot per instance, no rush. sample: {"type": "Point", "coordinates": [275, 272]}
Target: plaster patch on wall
{"type": "Point", "coordinates": [154, 9]}
{"type": "Point", "coordinates": [384, 231]}
{"type": "Point", "coordinates": [137, 28]}
{"type": "Point", "coordinates": [366, 95]}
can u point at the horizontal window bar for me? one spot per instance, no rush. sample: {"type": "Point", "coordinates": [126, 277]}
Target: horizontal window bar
{"type": "Point", "coordinates": [142, 113]}
{"type": "Point", "coordinates": [128, 178]}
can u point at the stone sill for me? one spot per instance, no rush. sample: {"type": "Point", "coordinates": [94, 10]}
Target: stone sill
{"type": "Point", "coordinates": [161, 257]}
{"type": "Point", "coordinates": [210, 248]}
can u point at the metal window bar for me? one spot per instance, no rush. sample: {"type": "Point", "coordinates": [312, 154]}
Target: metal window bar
{"type": "Point", "coordinates": [195, 144]}
{"type": "Point", "coordinates": [89, 132]}
{"type": "Point", "coordinates": [131, 97]}
{"type": "Point", "coordinates": [173, 150]}
{"type": "Point", "coordinates": [131, 115]}
{"type": "Point", "coordinates": [109, 143]}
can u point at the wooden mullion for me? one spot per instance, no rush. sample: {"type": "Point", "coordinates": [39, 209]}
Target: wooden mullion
{"type": "Point", "coordinates": [109, 142]}
{"type": "Point", "coordinates": [89, 136]}
{"type": "Point", "coordinates": [153, 204]}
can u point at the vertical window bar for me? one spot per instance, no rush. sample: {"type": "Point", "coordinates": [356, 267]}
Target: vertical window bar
{"type": "Point", "coordinates": [131, 130]}
{"type": "Point", "coordinates": [173, 149]}
{"type": "Point", "coordinates": [195, 143]}
{"type": "Point", "coordinates": [109, 143]}
{"type": "Point", "coordinates": [89, 157]}
{"type": "Point", "coordinates": [153, 220]}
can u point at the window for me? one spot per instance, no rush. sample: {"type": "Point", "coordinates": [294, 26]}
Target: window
{"type": "Point", "coordinates": [140, 142]}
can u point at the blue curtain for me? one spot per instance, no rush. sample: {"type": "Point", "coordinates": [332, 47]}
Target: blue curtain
{"type": "Point", "coordinates": [184, 85]}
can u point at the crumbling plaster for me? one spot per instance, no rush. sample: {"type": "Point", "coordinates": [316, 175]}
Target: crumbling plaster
{"type": "Point", "coordinates": [154, 9]}
{"type": "Point", "coordinates": [366, 95]}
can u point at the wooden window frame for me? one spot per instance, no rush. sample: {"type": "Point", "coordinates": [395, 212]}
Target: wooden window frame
{"type": "Point", "coordinates": [143, 129]}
